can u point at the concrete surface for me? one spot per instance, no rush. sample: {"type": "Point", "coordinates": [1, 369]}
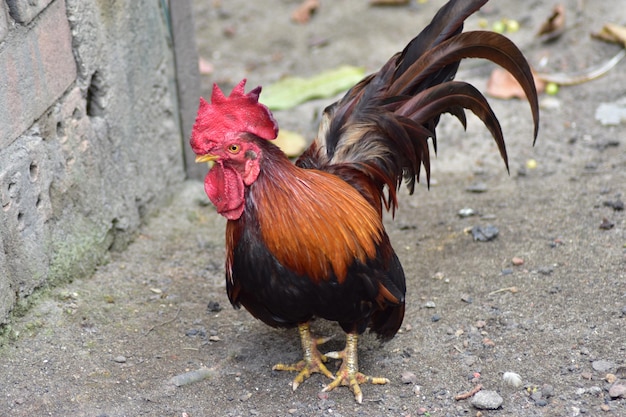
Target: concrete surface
{"type": "Point", "coordinates": [109, 344]}
{"type": "Point", "coordinates": [90, 138]}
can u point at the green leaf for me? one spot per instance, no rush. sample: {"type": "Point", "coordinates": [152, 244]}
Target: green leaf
{"type": "Point", "coordinates": [291, 91]}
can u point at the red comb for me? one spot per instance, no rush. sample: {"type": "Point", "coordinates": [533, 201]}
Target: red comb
{"type": "Point", "coordinates": [238, 112]}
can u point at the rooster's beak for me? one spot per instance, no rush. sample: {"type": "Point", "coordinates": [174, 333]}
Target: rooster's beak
{"type": "Point", "coordinates": [206, 158]}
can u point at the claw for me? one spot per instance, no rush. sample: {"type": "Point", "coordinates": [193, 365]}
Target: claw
{"type": "Point", "coordinates": [348, 373]}
{"type": "Point", "coordinates": [313, 361]}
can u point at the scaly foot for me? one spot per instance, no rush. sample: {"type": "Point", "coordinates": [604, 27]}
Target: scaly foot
{"type": "Point", "coordinates": [348, 373]}
{"type": "Point", "coordinates": [313, 361]}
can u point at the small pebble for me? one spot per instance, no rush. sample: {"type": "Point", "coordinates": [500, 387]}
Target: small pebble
{"type": "Point", "coordinates": [602, 365]}
{"type": "Point", "coordinates": [408, 377]}
{"type": "Point", "coordinates": [595, 390]}
{"type": "Point", "coordinates": [466, 212]}
{"type": "Point", "coordinates": [516, 261]}
{"type": "Point", "coordinates": [610, 378]}
{"type": "Point", "coordinates": [477, 187]}
{"type": "Point", "coordinates": [506, 271]}
{"type": "Point", "coordinates": [467, 299]}
{"type": "Point", "coordinates": [606, 224]}
{"type": "Point", "coordinates": [617, 391]}
{"type": "Point", "coordinates": [214, 307]}
{"type": "Point", "coordinates": [547, 391]}
{"type": "Point", "coordinates": [430, 304]}
{"type": "Point", "coordinates": [550, 103]}
{"type": "Point", "coordinates": [435, 318]}
{"type": "Point", "coordinates": [484, 234]}
{"type": "Point", "coordinates": [119, 359]}
{"type": "Point", "coordinates": [545, 270]}
{"type": "Point", "coordinates": [617, 205]}
{"type": "Point", "coordinates": [487, 400]}
{"type": "Point", "coordinates": [512, 379]}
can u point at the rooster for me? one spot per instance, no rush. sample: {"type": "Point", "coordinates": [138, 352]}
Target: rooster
{"type": "Point", "coordinates": [307, 240]}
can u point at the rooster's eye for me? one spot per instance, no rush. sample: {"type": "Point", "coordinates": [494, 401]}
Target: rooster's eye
{"type": "Point", "coordinates": [233, 148]}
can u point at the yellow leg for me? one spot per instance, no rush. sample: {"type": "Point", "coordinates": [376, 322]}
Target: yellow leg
{"type": "Point", "coordinates": [348, 373]}
{"type": "Point", "coordinates": [313, 361]}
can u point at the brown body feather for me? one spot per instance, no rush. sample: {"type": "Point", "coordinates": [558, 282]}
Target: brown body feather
{"type": "Point", "coordinates": [314, 222]}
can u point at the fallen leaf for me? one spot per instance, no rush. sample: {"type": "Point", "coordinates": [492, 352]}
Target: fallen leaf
{"type": "Point", "coordinates": [304, 12]}
{"type": "Point", "coordinates": [291, 91]}
{"type": "Point", "coordinates": [554, 26]}
{"type": "Point", "coordinates": [612, 33]}
{"type": "Point", "coordinates": [502, 84]}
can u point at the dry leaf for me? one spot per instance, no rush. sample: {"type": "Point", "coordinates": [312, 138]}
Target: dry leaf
{"type": "Point", "coordinates": [502, 84]}
{"type": "Point", "coordinates": [291, 91]}
{"type": "Point", "coordinates": [554, 26]}
{"type": "Point", "coordinates": [303, 13]}
{"type": "Point", "coordinates": [612, 33]}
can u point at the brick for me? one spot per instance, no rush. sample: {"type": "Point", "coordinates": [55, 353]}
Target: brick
{"type": "Point", "coordinates": [36, 67]}
{"type": "Point", "coordinates": [4, 23]}
{"type": "Point", "coordinates": [25, 11]}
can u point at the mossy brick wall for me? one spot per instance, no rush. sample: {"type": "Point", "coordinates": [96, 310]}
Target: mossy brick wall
{"type": "Point", "coordinates": [90, 133]}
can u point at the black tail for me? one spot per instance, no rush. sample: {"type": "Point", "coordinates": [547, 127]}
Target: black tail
{"type": "Point", "coordinates": [380, 128]}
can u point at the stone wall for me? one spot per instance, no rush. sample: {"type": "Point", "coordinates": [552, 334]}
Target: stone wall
{"type": "Point", "coordinates": [90, 133]}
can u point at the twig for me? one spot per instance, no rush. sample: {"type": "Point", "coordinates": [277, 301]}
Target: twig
{"type": "Point", "coordinates": [512, 289]}
{"type": "Point", "coordinates": [163, 323]}
{"type": "Point", "coordinates": [589, 74]}
{"type": "Point", "coordinates": [468, 394]}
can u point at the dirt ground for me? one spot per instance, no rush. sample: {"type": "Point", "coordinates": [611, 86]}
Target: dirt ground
{"type": "Point", "coordinates": [110, 344]}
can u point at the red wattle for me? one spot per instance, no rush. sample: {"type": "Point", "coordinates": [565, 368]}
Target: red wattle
{"type": "Point", "coordinates": [224, 187]}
